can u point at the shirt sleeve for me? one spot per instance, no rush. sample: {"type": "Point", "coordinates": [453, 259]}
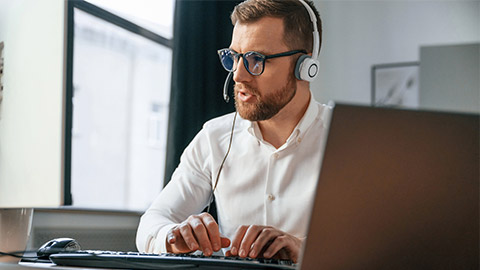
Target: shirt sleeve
{"type": "Point", "coordinates": [187, 193]}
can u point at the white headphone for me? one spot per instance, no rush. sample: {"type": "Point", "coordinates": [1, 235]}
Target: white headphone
{"type": "Point", "coordinates": [307, 66]}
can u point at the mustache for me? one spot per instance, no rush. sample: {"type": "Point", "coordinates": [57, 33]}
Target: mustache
{"type": "Point", "coordinates": [252, 90]}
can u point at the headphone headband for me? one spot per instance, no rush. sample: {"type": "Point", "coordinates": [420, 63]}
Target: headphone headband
{"type": "Point", "coordinates": [316, 35]}
{"type": "Point", "coordinates": [307, 67]}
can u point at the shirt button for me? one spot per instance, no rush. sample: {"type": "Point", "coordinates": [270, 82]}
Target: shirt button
{"type": "Point", "coordinates": [299, 140]}
{"type": "Point", "coordinates": [271, 197]}
{"type": "Point", "coordinates": [275, 156]}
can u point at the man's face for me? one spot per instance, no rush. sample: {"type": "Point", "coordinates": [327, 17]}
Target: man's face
{"type": "Point", "coordinates": [261, 97]}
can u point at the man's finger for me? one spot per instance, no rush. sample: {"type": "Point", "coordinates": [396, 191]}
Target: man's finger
{"type": "Point", "coordinates": [237, 239]}
{"type": "Point", "coordinates": [212, 230]}
{"type": "Point", "coordinates": [172, 236]}
{"type": "Point", "coordinates": [187, 235]}
{"type": "Point", "coordinates": [225, 242]}
{"type": "Point", "coordinates": [201, 235]}
{"type": "Point", "coordinates": [266, 236]}
{"type": "Point", "coordinates": [175, 242]}
{"type": "Point", "coordinates": [282, 254]}
{"type": "Point", "coordinates": [277, 244]}
{"type": "Point", "coordinates": [250, 236]}
{"type": "Point", "coordinates": [284, 247]}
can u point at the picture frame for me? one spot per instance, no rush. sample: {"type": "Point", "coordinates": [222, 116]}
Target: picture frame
{"type": "Point", "coordinates": [395, 85]}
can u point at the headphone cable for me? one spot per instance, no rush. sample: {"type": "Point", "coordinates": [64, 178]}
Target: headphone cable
{"type": "Point", "coordinates": [223, 162]}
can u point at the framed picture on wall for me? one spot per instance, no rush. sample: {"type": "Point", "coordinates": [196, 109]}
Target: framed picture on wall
{"type": "Point", "coordinates": [396, 85]}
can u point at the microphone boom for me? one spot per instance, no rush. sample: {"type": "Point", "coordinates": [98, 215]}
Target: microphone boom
{"type": "Point", "coordinates": [225, 87]}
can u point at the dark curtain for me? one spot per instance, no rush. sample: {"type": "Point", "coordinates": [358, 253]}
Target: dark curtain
{"type": "Point", "coordinates": [200, 29]}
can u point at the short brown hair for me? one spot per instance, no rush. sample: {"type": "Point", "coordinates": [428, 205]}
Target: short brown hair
{"type": "Point", "coordinates": [296, 20]}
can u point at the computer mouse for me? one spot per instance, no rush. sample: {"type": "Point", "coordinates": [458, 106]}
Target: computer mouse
{"type": "Point", "coordinates": [56, 246]}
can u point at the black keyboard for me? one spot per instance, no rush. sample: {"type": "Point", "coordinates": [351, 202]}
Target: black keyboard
{"type": "Point", "coordinates": [135, 260]}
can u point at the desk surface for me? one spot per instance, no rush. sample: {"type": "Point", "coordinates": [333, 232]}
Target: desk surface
{"type": "Point", "coordinates": [30, 266]}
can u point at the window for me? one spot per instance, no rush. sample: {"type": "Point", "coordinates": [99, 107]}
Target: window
{"type": "Point", "coordinates": [119, 89]}
{"type": "Point", "coordinates": [154, 15]}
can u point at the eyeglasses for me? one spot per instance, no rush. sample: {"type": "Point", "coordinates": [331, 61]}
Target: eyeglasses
{"type": "Point", "coordinates": [254, 62]}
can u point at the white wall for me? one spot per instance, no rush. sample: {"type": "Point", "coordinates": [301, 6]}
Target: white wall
{"type": "Point", "coordinates": [359, 34]}
{"type": "Point", "coordinates": [459, 92]}
{"type": "Point", "coordinates": [31, 129]}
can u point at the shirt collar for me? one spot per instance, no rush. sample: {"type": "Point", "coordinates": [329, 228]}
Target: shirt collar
{"type": "Point", "coordinates": [308, 118]}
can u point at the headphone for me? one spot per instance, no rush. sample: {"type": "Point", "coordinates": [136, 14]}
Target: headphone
{"type": "Point", "coordinates": [307, 66]}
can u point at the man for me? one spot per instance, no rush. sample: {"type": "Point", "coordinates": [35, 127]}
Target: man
{"type": "Point", "coordinates": [265, 188]}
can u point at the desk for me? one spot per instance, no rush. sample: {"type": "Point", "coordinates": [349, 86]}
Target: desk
{"type": "Point", "coordinates": [25, 266]}
{"type": "Point", "coordinates": [31, 266]}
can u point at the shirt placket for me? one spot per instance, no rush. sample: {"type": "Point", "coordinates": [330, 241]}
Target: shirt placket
{"type": "Point", "coordinates": [269, 195]}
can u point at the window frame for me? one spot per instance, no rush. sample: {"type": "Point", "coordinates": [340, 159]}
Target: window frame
{"type": "Point", "coordinates": [114, 19]}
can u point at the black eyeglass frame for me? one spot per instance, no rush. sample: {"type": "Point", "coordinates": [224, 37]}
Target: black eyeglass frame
{"type": "Point", "coordinates": [236, 57]}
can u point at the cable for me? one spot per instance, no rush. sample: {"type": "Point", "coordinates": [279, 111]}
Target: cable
{"type": "Point", "coordinates": [15, 254]}
{"type": "Point", "coordinates": [223, 162]}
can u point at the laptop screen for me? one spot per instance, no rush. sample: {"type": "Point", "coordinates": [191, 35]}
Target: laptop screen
{"type": "Point", "coordinates": [398, 189]}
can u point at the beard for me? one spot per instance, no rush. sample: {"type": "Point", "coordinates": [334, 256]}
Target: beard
{"type": "Point", "coordinates": [267, 105]}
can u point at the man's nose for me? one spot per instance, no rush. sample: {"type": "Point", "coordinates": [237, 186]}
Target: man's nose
{"type": "Point", "coordinates": [241, 74]}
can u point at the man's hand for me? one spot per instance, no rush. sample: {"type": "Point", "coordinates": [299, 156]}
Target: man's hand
{"type": "Point", "coordinates": [265, 241]}
{"type": "Point", "coordinates": [198, 232]}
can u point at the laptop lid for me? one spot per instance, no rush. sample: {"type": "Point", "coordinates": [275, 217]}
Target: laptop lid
{"type": "Point", "coordinates": [398, 189]}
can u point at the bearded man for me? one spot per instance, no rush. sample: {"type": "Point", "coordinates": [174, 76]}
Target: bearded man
{"type": "Point", "coordinates": [265, 187]}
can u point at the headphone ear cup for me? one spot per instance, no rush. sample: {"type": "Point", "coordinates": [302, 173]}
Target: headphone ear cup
{"type": "Point", "coordinates": [299, 64]}
{"type": "Point", "coordinates": [306, 68]}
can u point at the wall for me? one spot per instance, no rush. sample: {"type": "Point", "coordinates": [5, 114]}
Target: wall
{"type": "Point", "coordinates": [31, 127]}
{"type": "Point", "coordinates": [450, 77]}
{"type": "Point", "coordinates": [359, 34]}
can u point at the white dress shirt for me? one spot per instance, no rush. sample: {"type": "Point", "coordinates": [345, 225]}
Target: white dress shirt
{"type": "Point", "coordinates": [258, 184]}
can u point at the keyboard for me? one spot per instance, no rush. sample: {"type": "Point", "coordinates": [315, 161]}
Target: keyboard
{"type": "Point", "coordinates": [135, 260]}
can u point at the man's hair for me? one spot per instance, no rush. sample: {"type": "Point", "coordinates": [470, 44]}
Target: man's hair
{"type": "Point", "coordinates": [296, 19]}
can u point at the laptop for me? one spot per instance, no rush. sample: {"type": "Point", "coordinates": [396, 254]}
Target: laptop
{"type": "Point", "coordinates": [398, 189]}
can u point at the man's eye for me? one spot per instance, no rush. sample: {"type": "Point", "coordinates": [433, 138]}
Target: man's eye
{"type": "Point", "coordinates": [257, 58]}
